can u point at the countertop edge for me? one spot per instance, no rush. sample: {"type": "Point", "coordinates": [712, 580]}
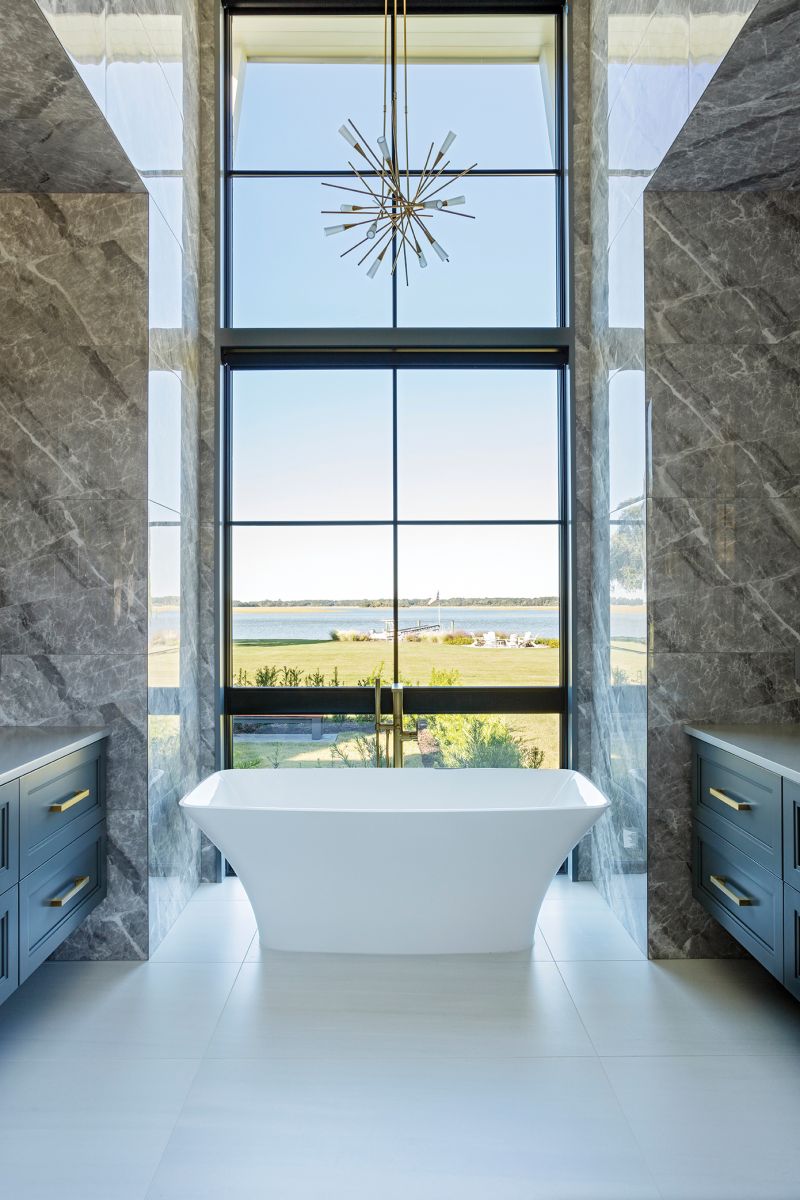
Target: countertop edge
{"type": "Point", "coordinates": [729, 743]}
{"type": "Point", "coordinates": [72, 741]}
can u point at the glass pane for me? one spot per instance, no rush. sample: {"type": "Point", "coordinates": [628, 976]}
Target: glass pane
{"type": "Point", "coordinates": [348, 741]}
{"type": "Point", "coordinates": [286, 272]}
{"type": "Point", "coordinates": [312, 445]}
{"type": "Point", "coordinates": [297, 79]}
{"type": "Point", "coordinates": [484, 740]}
{"type": "Point", "coordinates": [502, 268]}
{"type": "Point", "coordinates": [164, 599]}
{"type": "Point", "coordinates": [311, 605]}
{"type": "Point", "coordinates": [479, 605]}
{"type": "Point", "coordinates": [478, 444]}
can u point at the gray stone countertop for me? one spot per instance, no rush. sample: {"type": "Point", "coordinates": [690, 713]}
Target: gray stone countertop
{"type": "Point", "coordinates": [23, 748]}
{"type": "Point", "coordinates": [775, 747]}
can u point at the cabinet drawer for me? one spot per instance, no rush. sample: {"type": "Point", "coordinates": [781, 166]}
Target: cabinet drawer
{"type": "Point", "coordinates": [59, 802]}
{"type": "Point", "coordinates": [744, 898]}
{"type": "Point", "coordinates": [741, 802]}
{"type": "Point", "coordinates": [9, 935]}
{"type": "Point", "coordinates": [791, 939]}
{"type": "Point", "coordinates": [791, 833]}
{"type": "Point", "coordinates": [56, 897]}
{"type": "Point", "coordinates": [9, 834]}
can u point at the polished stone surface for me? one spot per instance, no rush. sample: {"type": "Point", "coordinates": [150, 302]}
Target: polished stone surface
{"type": "Point", "coordinates": [24, 748]}
{"type": "Point", "coordinates": [220, 1069]}
{"type": "Point", "coordinates": [73, 515]}
{"type": "Point", "coordinates": [723, 323]}
{"type": "Point", "coordinates": [140, 59]}
{"type": "Point", "coordinates": [774, 747]}
{"type": "Point", "coordinates": [744, 131]}
{"type": "Point", "coordinates": [51, 136]}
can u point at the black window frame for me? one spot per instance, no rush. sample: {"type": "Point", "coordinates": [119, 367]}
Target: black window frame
{"type": "Point", "coordinates": [399, 348]}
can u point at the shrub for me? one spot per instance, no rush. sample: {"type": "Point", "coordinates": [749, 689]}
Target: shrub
{"type": "Point", "coordinates": [467, 741]}
{"type": "Point", "coordinates": [335, 635]}
{"type": "Point", "coordinates": [267, 677]}
{"type": "Point", "coordinates": [459, 637]}
{"type": "Point", "coordinates": [444, 678]}
{"type": "Point", "coordinates": [315, 679]}
{"type": "Point", "coordinates": [553, 643]}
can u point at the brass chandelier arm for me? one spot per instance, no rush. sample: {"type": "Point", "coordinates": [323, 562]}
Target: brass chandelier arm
{"type": "Point", "coordinates": [448, 182]}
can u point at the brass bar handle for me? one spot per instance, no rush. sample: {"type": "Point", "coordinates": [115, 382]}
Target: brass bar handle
{"type": "Point", "coordinates": [78, 886]}
{"type": "Point", "coordinates": [721, 883]}
{"type": "Point", "coordinates": [724, 798]}
{"type": "Point", "coordinates": [73, 800]}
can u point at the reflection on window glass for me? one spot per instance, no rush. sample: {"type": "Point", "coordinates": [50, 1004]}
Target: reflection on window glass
{"type": "Point", "coordinates": [164, 582]}
{"type": "Point", "coordinates": [312, 445]}
{"type": "Point", "coordinates": [443, 741]}
{"type": "Point", "coordinates": [286, 273]}
{"type": "Point", "coordinates": [479, 605]}
{"type": "Point", "coordinates": [311, 605]}
{"type": "Point", "coordinates": [502, 268]}
{"type": "Point", "coordinates": [478, 445]}
{"type": "Point", "coordinates": [627, 549]}
{"type": "Point", "coordinates": [296, 78]}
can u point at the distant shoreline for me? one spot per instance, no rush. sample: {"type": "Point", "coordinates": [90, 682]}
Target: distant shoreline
{"type": "Point", "coordinates": [305, 608]}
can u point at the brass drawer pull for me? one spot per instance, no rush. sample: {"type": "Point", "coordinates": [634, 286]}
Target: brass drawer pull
{"type": "Point", "coordinates": [65, 804]}
{"type": "Point", "coordinates": [736, 805]}
{"type": "Point", "coordinates": [78, 886]}
{"type": "Point", "coordinates": [720, 882]}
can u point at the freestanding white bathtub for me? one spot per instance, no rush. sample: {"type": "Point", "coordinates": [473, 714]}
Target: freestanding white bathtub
{"type": "Point", "coordinates": [396, 862]}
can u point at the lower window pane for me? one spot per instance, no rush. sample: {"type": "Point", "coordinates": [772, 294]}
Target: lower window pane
{"type": "Point", "coordinates": [348, 742]}
{"type": "Point", "coordinates": [311, 605]}
{"type": "Point", "coordinates": [479, 605]}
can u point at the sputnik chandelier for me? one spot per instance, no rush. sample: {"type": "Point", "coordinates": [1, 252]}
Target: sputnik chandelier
{"type": "Point", "coordinates": [391, 221]}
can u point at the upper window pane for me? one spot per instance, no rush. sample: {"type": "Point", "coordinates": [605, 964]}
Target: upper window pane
{"type": "Point", "coordinates": [286, 273]}
{"type": "Point", "coordinates": [312, 445]}
{"type": "Point", "coordinates": [295, 79]}
{"type": "Point", "coordinates": [477, 445]}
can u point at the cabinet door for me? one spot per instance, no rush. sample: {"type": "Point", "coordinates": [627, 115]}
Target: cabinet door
{"type": "Point", "coordinates": [59, 802]}
{"type": "Point", "coordinates": [791, 939]}
{"type": "Point", "coordinates": [739, 801]}
{"type": "Point", "coordinates": [9, 834]}
{"type": "Point", "coordinates": [791, 833]}
{"type": "Point", "coordinates": [9, 939]}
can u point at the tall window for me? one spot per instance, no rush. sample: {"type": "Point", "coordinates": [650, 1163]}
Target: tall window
{"type": "Point", "coordinates": [396, 492]}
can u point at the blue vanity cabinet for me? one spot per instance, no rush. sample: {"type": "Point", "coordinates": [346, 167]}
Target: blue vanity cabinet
{"type": "Point", "coordinates": [791, 833]}
{"type": "Point", "coordinates": [791, 939]}
{"type": "Point", "coordinates": [9, 834]}
{"type": "Point", "coordinates": [52, 846]}
{"type": "Point", "coordinates": [746, 852]}
{"type": "Point", "coordinates": [9, 942]}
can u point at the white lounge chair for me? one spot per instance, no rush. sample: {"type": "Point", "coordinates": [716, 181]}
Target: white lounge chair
{"type": "Point", "coordinates": [490, 639]}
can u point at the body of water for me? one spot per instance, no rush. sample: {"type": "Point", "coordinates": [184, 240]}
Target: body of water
{"type": "Point", "coordinates": [296, 625]}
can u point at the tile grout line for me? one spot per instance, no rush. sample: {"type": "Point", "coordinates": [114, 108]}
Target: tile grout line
{"type": "Point", "coordinates": [618, 1102]}
{"type": "Point", "coordinates": [200, 1061]}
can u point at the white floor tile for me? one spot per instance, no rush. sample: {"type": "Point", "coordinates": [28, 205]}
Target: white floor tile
{"type": "Point", "coordinates": [420, 1130]}
{"type": "Point", "coordinates": [115, 1010]}
{"type": "Point", "coordinates": [341, 1006]}
{"type": "Point", "coordinates": [701, 1006]}
{"type": "Point", "coordinates": [722, 1128]}
{"type": "Point", "coordinates": [209, 932]}
{"type": "Point", "coordinates": [229, 889]}
{"type": "Point", "coordinates": [539, 953]}
{"type": "Point", "coordinates": [586, 933]}
{"type": "Point", "coordinates": [89, 1133]}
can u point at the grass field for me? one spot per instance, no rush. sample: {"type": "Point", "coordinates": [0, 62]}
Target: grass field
{"type": "Point", "coordinates": [356, 661]}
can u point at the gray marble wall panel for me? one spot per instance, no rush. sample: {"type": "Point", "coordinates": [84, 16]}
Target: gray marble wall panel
{"type": "Point", "coordinates": [51, 136]}
{"type": "Point", "coordinates": [745, 130]}
{"type": "Point", "coordinates": [73, 507]}
{"type": "Point", "coordinates": [140, 59]}
{"type": "Point", "coordinates": [644, 65]}
{"type": "Point", "coordinates": [723, 321]}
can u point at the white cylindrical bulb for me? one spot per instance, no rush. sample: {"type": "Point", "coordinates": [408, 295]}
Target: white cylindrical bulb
{"type": "Point", "coordinates": [433, 204]}
{"type": "Point", "coordinates": [347, 135]}
{"type": "Point", "coordinates": [384, 149]}
{"type": "Point", "coordinates": [373, 229]}
{"type": "Point", "coordinates": [442, 254]}
{"type": "Point", "coordinates": [329, 229]}
{"type": "Point", "coordinates": [423, 262]}
{"type": "Point", "coordinates": [447, 143]}
{"type": "Point", "coordinates": [373, 271]}
{"type": "Point", "coordinates": [455, 200]}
